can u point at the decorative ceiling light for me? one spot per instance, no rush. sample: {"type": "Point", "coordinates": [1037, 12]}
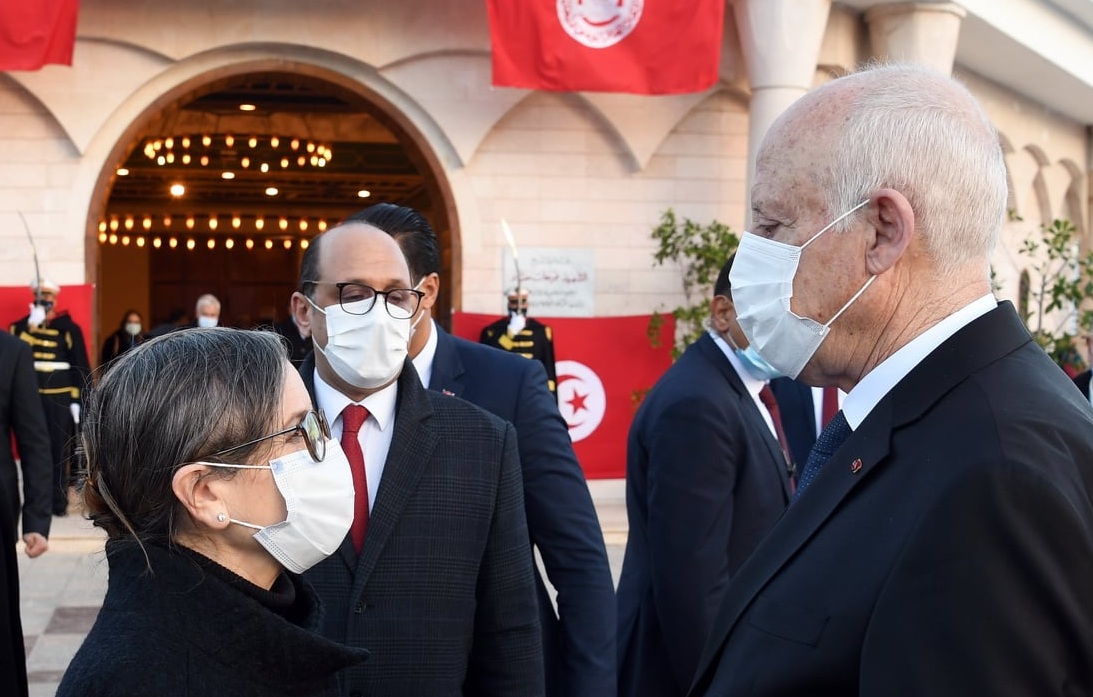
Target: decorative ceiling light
{"type": "Point", "coordinates": [364, 193]}
{"type": "Point", "coordinates": [221, 150]}
{"type": "Point", "coordinates": [178, 190]}
{"type": "Point", "coordinates": [122, 172]}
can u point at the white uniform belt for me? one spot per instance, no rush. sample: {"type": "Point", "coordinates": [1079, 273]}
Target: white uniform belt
{"type": "Point", "coordinates": [50, 366]}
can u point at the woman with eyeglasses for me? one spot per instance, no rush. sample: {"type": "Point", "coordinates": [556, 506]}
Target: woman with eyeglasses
{"type": "Point", "coordinates": [217, 484]}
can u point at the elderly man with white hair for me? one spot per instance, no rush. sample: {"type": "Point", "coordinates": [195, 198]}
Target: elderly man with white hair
{"type": "Point", "coordinates": [61, 364]}
{"type": "Point", "coordinates": [941, 538]}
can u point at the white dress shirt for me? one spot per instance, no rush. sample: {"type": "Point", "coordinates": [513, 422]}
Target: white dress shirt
{"type": "Point", "coordinates": [376, 433]}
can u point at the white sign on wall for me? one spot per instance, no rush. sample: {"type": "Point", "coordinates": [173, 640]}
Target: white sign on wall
{"type": "Point", "coordinates": [561, 281]}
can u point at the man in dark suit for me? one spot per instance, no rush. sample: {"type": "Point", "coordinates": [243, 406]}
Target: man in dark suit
{"type": "Point", "coordinates": [705, 479]}
{"type": "Point", "coordinates": [941, 539]}
{"type": "Point", "coordinates": [578, 639]}
{"type": "Point", "coordinates": [435, 578]}
{"type": "Point", "coordinates": [20, 416]}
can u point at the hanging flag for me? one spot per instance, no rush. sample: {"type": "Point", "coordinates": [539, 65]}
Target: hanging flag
{"type": "Point", "coordinates": [36, 32]}
{"type": "Point", "coordinates": [598, 390]}
{"type": "Point", "coordinates": [636, 46]}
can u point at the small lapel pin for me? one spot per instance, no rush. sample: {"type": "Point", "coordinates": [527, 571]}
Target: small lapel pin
{"type": "Point", "coordinates": [448, 393]}
{"type": "Point", "coordinates": [855, 466]}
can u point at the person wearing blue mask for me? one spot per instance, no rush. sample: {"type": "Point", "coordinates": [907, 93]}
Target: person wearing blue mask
{"type": "Point", "coordinates": [706, 478]}
{"type": "Point", "coordinates": [941, 538]}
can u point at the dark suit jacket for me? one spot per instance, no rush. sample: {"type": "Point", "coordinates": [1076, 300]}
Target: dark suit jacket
{"type": "Point", "coordinates": [579, 648]}
{"type": "Point", "coordinates": [443, 593]}
{"type": "Point", "coordinates": [705, 480]}
{"type": "Point", "coordinates": [1081, 381]}
{"type": "Point", "coordinates": [21, 415]}
{"type": "Point", "coordinates": [945, 549]}
{"type": "Point", "coordinates": [798, 417]}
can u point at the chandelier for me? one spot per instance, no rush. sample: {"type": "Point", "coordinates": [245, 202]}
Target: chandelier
{"type": "Point", "coordinates": [210, 230]}
{"type": "Point", "coordinates": [225, 150]}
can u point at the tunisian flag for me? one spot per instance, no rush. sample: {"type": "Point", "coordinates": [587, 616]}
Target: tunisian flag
{"type": "Point", "coordinates": [605, 366]}
{"type": "Point", "coordinates": [636, 46]}
{"type": "Point", "coordinates": [36, 32]}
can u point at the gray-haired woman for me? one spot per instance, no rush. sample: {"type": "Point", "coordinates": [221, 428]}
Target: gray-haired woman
{"type": "Point", "coordinates": [195, 441]}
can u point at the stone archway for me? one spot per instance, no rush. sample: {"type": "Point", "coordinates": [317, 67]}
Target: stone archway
{"type": "Point", "coordinates": [366, 127]}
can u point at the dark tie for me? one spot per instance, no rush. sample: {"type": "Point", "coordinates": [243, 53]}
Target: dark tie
{"type": "Point", "coordinates": [830, 405]}
{"type": "Point", "coordinates": [831, 438]}
{"type": "Point", "coordinates": [353, 417]}
{"type": "Point", "coordinates": [766, 396]}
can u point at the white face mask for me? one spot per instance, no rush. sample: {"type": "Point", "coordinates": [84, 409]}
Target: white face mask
{"type": "Point", "coordinates": [762, 285]}
{"type": "Point", "coordinates": [319, 500]}
{"type": "Point", "coordinates": [206, 322]}
{"type": "Point", "coordinates": [367, 351]}
{"type": "Point", "coordinates": [132, 328]}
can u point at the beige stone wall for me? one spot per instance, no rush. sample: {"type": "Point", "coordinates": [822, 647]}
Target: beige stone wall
{"type": "Point", "coordinates": [563, 169]}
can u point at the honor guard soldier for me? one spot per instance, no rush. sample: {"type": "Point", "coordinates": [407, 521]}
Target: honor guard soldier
{"type": "Point", "coordinates": [524, 335]}
{"type": "Point", "coordinates": [62, 367]}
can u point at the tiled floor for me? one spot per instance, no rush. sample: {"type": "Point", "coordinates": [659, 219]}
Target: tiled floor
{"type": "Point", "coordinates": [61, 591]}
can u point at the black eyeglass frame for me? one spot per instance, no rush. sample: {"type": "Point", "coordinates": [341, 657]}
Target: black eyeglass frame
{"type": "Point", "coordinates": [414, 292]}
{"type": "Point", "coordinates": [316, 447]}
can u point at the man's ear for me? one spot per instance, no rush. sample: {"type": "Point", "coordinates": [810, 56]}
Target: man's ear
{"type": "Point", "coordinates": [893, 224]}
{"type": "Point", "coordinates": [200, 495]}
{"type": "Point", "coordinates": [430, 285]}
{"type": "Point", "coordinates": [722, 313]}
{"type": "Point", "coordinates": [300, 308]}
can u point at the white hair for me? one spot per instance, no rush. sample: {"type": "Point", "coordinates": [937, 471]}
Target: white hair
{"type": "Point", "coordinates": [923, 134]}
{"type": "Point", "coordinates": [207, 300]}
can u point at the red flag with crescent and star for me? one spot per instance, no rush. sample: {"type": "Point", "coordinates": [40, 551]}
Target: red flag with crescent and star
{"type": "Point", "coordinates": [605, 365]}
{"type": "Point", "coordinates": [635, 46]}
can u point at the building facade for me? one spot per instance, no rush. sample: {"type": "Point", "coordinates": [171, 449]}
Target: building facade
{"type": "Point", "coordinates": [583, 172]}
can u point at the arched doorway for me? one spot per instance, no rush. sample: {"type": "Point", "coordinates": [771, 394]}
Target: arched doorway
{"type": "Point", "coordinates": [220, 185]}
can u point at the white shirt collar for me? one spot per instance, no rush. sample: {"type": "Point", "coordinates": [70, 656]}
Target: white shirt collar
{"type": "Point", "coordinates": [878, 382]}
{"type": "Point", "coordinates": [751, 383]}
{"type": "Point", "coordinates": [380, 405]}
{"type": "Point", "coordinates": [423, 362]}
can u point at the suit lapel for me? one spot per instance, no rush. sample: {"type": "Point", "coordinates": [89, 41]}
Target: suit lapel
{"type": "Point", "coordinates": [448, 367]}
{"type": "Point", "coordinates": [756, 424]}
{"type": "Point", "coordinates": [980, 343]}
{"type": "Point", "coordinates": [412, 447]}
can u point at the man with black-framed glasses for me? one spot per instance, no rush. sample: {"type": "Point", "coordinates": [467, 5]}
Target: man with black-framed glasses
{"type": "Point", "coordinates": [436, 575]}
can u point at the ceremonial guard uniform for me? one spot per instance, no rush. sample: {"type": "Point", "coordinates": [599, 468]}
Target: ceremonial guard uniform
{"type": "Point", "coordinates": [62, 367]}
{"type": "Point", "coordinates": [535, 340]}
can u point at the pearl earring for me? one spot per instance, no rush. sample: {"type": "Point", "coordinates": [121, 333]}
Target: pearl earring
{"type": "Point", "coordinates": [221, 517]}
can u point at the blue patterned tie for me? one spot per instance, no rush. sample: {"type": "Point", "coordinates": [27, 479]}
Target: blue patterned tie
{"type": "Point", "coordinates": [831, 438]}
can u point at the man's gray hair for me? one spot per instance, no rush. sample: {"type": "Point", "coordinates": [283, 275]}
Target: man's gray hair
{"type": "Point", "coordinates": [207, 300]}
{"type": "Point", "coordinates": [925, 135]}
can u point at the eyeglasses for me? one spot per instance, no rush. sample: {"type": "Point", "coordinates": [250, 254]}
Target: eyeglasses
{"type": "Point", "coordinates": [313, 428]}
{"type": "Point", "coordinates": [359, 299]}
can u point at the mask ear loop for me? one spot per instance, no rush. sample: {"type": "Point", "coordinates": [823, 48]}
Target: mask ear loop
{"type": "Point", "coordinates": [833, 223]}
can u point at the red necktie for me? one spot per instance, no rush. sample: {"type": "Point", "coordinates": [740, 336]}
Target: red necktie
{"type": "Point", "coordinates": [353, 417]}
{"type": "Point", "coordinates": [766, 396]}
{"type": "Point", "coordinates": [830, 406]}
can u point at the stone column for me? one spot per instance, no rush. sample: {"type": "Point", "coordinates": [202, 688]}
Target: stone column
{"type": "Point", "coordinates": [780, 41]}
{"type": "Point", "coordinates": [916, 32]}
